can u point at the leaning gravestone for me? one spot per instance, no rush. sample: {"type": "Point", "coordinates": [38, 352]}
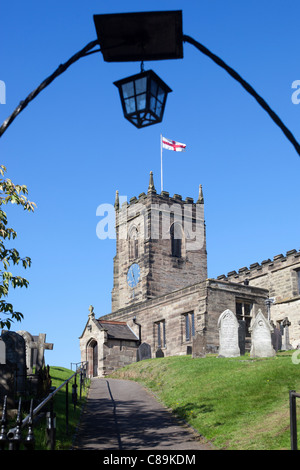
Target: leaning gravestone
{"type": "Point", "coordinates": [144, 352]}
{"type": "Point", "coordinates": [228, 335]}
{"type": "Point", "coordinates": [261, 341]}
{"type": "Point", "coordinates": [199, 345]}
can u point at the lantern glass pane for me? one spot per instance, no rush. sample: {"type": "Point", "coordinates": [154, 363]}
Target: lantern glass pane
{"type": "Point", "coordinates": [141, 85]}
{"type": "Point", "coordinates": [141, 101]}
{"type": "Point", "coordinates": [160, 95]}
{"type": "Point", "coordinates": [130, 105]}
{"type": "Point", "coordinates": [128, 89]}
{"type": "Point", "coordinates": [153, 104]}
{"type": "Point", "coordinates": [153, 87]}
{"type": "Point", "coordinates": [158, 108]}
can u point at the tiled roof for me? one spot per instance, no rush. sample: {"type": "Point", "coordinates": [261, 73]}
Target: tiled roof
{"type": "Point", "coordinates": [118, 330]}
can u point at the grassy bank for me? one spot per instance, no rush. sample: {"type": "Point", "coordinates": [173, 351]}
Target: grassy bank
{"type": "Point", "coordinates": [237, 403]}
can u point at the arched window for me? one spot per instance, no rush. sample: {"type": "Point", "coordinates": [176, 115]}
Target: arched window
{"type": "Point", "coordinates": [176, 240]}
{"type": "Point", "coordinates": [133, 243]}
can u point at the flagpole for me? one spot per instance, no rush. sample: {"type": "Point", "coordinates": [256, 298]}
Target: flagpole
{"type": "Point", "coordinates": [161, 165]}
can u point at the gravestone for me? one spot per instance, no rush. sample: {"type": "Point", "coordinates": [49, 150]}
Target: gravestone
{"type": "Point", "coordinates": [199, 345]}
{"type": "Point", "coordinates": [144, 352]}
{"type": "Point", "coordinates": [228, 335]}
{"type": "Point", "coordinates": [276, 337]}
{"type": "Point", "coordinates": [13, 373]}
{"type": "Point", "coordinates": [35, 347]}
{"type": "Point", "coordinates": [286, 335]}
{"type": "Point", "coordinates": [261, 342]}
{"type": "Point", "coordinates": [242, 336]}
{"type": "Point", "coordinates": [30, 348]}
{"type": "Point", "coordinates": [41, 346]}
{"type": "Point", "coordinates": [159, 353]}
{"type": "Point", "coordinates": [2, 352]}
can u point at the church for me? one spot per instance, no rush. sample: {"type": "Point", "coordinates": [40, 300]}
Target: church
{"type": "Point", "coordinates": [161, 296]}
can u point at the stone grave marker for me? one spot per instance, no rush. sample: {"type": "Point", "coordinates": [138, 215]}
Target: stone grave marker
{"type": "Point", "coordinates": [199, 345]}
{"type": "Point", "coordinates": [159, 353]}
{"type": "Point", "coordinates": [13, 373]}
{"type": "Point", "coordinates": [2, 352]}
{"type": "Point", "coordinates": [228, 335]}
{"type": "Point", "coordinates": [276, 337]}
{"type": "Point", "coordinates": [41, 346]}
{"type": "Point", "coordinates": [35, 348]}
{"type": "Point", "coordinates": [144, 352]}
{"type": "Point", "coordinates": [261, 342]}
{"type": "Point", "coordinates": [286, 335]}
{"type": "Point", "coordinates": [242, 336]}
{"type": "Point", "coordinates": [30, 347]}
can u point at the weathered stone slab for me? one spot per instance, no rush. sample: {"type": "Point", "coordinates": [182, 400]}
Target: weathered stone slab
{"type": "Point", "coordinates": [13, 373]}
{"type": "Point", "coordinates": [261, 341]}
{"type": "Point", "coordinates": [2, 352]}
{"type": "Point", "coordinates": [159, 353]}
{"type": "Point", "coordinates": [228, 335]}
{"type": "Point", "coordinates": [144, 352]}
{"type": "Point", "coordinates": [199, 345]}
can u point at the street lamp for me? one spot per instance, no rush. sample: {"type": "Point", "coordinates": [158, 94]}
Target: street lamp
{"type": "Point", "coordinates": [129, 37]}
{"type": "Point", "coordinates": [139, 37]}
{"type": "Point", "coordinates": [143, 97]}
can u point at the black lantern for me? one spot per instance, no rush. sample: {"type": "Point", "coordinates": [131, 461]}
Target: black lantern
{"type": "Point", "coordinates": [132, 37]}
{"type": "Point", "coordinates": [143, 98]}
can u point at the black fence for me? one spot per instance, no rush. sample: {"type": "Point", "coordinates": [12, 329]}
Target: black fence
{"type": "Point", "coordinates": [293, 419]}
{"type": "Point", "coordinates": [11, 439]}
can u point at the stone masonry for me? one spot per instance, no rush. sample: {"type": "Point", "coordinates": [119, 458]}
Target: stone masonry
{"type": "Point", "coordinates": [281, 276]}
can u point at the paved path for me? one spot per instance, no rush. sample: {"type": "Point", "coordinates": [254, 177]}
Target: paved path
{"type": "Point", "coordinates": [122, 415]}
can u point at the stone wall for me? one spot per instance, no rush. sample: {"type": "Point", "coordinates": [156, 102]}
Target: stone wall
{"type": "Point", "coordinates": [222, 295]}
{"type": "Point", "coordinates": [205, 300]}
{"type": "Point", "coordinates": [281, 277]}
{"type": "Point", "coordinates": [117, 354]}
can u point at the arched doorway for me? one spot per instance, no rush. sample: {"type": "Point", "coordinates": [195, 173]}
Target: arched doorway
{"type": "Point", "coordinates": [92, 357]}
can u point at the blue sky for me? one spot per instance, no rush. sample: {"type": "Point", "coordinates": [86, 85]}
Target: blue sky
{"type": "Point", "coordinates": [73, 148]}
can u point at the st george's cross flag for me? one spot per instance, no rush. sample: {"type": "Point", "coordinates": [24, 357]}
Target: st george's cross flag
{"type": "Point", "coordinates": [173, 145]}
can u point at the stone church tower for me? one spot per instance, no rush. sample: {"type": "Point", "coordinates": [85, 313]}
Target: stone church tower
{"type": "Point", "coordinates": [160, 246]}
{"type": "Point", "coordinates": [162, 301]}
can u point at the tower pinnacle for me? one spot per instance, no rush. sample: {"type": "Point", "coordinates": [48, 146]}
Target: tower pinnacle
{"type": "Point", "coordinates": [151, 188]}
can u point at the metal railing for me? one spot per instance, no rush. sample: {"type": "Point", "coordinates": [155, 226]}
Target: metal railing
{"type": "Point", "coordinates": [293, 419]}
{"type": "Point", "coordinates": [12, 438]}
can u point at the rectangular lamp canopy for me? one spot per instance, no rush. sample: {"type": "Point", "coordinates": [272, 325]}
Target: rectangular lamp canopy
{"type": "Point", "coordinates": [130, 37]}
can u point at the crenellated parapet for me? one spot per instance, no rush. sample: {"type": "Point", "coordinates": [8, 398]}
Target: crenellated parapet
{"type": "Point", "coordinates": [259, 272]}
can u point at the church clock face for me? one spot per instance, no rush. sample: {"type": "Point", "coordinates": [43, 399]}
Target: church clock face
{"type": "Point", "coordinates": [133, 275]}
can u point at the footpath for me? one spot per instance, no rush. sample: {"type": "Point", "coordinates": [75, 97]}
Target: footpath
{"type": "Point", "coordinates": [121, 415]}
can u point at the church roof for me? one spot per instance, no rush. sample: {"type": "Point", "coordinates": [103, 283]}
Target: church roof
{"type": "Point", "coordinates": [118, 330]}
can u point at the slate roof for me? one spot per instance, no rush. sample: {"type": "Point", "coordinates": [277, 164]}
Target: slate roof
{"type": "Point", "coordinates": [118, 330]}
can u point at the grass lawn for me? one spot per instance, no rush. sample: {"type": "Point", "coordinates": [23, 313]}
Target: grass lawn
{"type": "Point", "coordinates": [236, 403]}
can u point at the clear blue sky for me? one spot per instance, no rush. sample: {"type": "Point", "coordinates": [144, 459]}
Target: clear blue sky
{"type": "Point", "coordinates": [73, 148]}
